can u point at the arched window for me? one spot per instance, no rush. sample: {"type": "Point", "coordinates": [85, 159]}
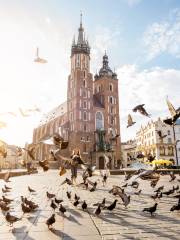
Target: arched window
{"type": "Point", "coordinates": [99, 120]}
{"type": "Point", "coordinates": [162, 150]}
{"type": "Point", "coordinates": [110, 87]}
{"type": "Point", "coordinates": [84, 104]}
{"type": "Point", "coordinates": [170, 151]}
{"type": "Point", "coordinates": [84, 116]}
{"type": "Point", "coordinates": [111, 99]}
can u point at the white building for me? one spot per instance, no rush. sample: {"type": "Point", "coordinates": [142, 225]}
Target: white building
{"type": "Point", "coordinates": [128, 152]}
{"type": "Point", "coordinates": [149, 141]}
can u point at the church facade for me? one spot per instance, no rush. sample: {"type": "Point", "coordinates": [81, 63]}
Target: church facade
{"type": "Point", "coordinates": [89, 119]}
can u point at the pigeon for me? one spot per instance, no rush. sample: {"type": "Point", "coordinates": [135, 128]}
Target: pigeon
{"type": "Point", "coordinates": [6, 200]}
{"type": "Point", "coordinates": [130, 121]}
{"type": "Point", "coordinates": [84, 205]}
{"type": "Point", "coordinates": [62, 209]}
{"type": "Point", "coordinates": [4, 206]}
{"type": "Point", "coordinates": [140, 108]}
{"type": "Point", "coordinates": [29, 203]}
{"type": "Point", "coordinates": [98, 210]}
{"type": "Point", "coordinates": [94, 184]}
{"type": "Point", "coordinates": [68, 181]}
{"type": "Point", "coordinates": [88, 169]}
{"type": "Point", "coordinates": [68, 195]}
{"type": "Point", "coordinates": [76, 197]}
{"type": "Point", "coordinates": [53, 205]}
{"type": "Point", "coordinates": [175, 114]}
{"type": "Point", "coordinates": [31, 190]}
{"type": "Point", "coordinates": [76, 203]}
{"type": "Point", "coordinates": [175, 208]}
{"type": "Point", "coordinates": [11, 219]}
{"type": "Point", "coordinates": [25, 208]}
{"type": "Point", "coordinates": [111, 206]}
{"type": "Point", "coordinates": [151, 210]}
{"type": "Point", "coordinates": [125, 198]}
{"type": "Point", "coordinates": [171, 191]}
{"type": "Point", "coordinates": [154, 183]}
{"type": "Point", "coordinates": [50, 221]}
{"type": "Point", "coordinates": [161, 136]}
{"type": "Point", "coordinates": [44, 164]}
{"type": "Point", "coordinates": [50, 195]}
{"type": "Point", "coordinates": [58, 201]}
{"type": "Point", "coordinates": [5, 190]}
{"type": "Point", "coordinates": [159, 189]}
{"type": "Point", "coordinates": [6, 187]}
{"type": "Point", "coordinates": [172, 177]}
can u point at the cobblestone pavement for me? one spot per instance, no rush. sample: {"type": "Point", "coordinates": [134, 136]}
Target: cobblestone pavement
{"type": "Point", "coordinates": [121, 223]}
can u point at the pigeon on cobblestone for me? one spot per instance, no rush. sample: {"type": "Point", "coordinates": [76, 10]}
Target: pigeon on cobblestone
{"type": "Point", "coordinates": [25, 208]}
{"type": "Point", "coordinates": [68, 195]}
{"type": "Point", "coordinates": [6, 187]}
{"type": "Point", "coordinates": [98, 210]}
{"type": "Point", "coordinates": [62, 209]}
{"type": "Point", "coordinates": [111, 206]}
{"type": "Point", "coordinates": [84, 205]}
{"type": "Point", "coordinates": [50, 221]}
{"type": "Point", "coordinates": [53, 205]}
{"type": "Point", "coordinates": [58, 201]}
{"type": "Point", "coordinates": [152, 209]}
{"type": "Point", "coordinates": [11, 219]}
{"type": "Point", "coordinates": [7, 200]}
{"type": "Point", "coordinates": [50, 195]}
{"type": "Point", "coordinates": [159, 189]}
{"type": "Point", "coordinates": [172, 176]}
{"type": "Point", "coordinates": [76, 203]}
{"type": "Point", "coordinates": [31, 190]}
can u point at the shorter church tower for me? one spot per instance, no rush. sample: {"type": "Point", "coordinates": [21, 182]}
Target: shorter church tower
{"type": "Point", "coordinates": [107, 109]}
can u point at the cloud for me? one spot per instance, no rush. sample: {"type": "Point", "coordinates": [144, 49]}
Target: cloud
{"type": "Point", "coordinates": [149, 86]}
{"type": "Point", "coordinates": [161, 37]}
{"type": "Point", "coordinates": [104, 39]}
{"type": "Point", "coordinates": [133, 3]}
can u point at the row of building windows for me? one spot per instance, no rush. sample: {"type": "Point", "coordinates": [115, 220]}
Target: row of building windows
{"type": "Point", "coordinates": [166, 151]}
{"type": "Point", "coordinates": [80, 60]}
{"type": "Point", "coordinates": [100, 88]}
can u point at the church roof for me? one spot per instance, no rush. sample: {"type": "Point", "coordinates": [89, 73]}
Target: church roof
{"type": "Point", "coordinates": [82, 44]}
{"type": "Point", "coordinates": [105, 70]}
{"type": "Point", "coordinates": [56, 112]}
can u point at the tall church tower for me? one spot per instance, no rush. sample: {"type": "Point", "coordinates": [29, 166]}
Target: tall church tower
{"type": "Point", "coordinates": [80, 95]}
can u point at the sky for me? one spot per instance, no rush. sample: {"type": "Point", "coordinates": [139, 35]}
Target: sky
{"type": "Point", "coordinates": [141, 38]}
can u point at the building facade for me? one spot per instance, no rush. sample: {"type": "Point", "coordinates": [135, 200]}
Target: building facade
{"type": "Point", "coordinates": [89, 119]}
{"type": "Point", "coordinates": [150, 143]}
{"type": "Point", "coordinates": [128, 153]}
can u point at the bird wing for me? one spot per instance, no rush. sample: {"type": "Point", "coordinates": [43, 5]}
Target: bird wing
{"type": "Point", "coordinates": [130, 121]}
{"type": "Point", "coordinates": [171, 108]}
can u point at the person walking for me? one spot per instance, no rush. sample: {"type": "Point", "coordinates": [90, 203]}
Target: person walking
{"type": "Point", "coordinates": [76, 159]}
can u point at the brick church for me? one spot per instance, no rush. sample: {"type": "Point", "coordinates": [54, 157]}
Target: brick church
{"type": "Point", "coordinates": [89, 119]}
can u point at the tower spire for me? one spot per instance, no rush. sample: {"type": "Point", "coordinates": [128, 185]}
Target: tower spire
{"type": "Point", "coordinates": [81, 32]}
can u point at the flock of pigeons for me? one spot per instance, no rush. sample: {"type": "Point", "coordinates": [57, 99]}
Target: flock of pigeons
{"type": "Point", "coordinates": [175, 114]}
{"type": "Point", "coordinates": [117, 192]}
